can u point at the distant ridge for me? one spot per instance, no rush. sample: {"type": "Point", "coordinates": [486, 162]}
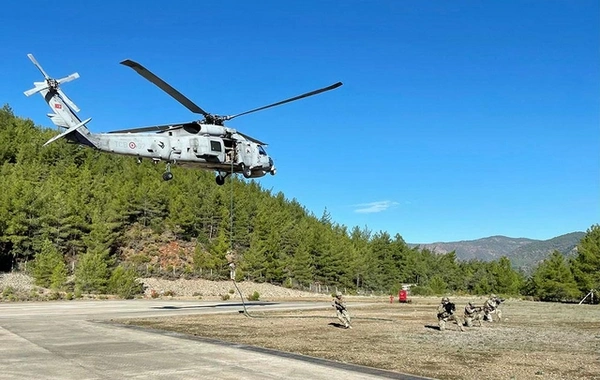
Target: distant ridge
{"type": "Point", "coordinates": [523, 253]}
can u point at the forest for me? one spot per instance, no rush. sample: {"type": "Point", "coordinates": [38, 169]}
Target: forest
{"type": "Point", "coordinates": [71, 211]}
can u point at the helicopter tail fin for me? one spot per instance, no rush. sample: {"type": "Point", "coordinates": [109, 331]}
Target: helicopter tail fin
{"type": "Point", "coordinates": [63, 109]}
{"type": "Point", "coordinates": [70, 130]}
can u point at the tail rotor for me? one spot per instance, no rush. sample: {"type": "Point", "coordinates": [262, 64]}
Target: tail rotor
{"type": "Point", "coordinates": [52, 84]}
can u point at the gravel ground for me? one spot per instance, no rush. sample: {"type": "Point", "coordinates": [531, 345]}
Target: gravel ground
{"type": "Point", "coordinates": [216, 289]}
{"type": "Point", "coordinates": [534, 341]}
{"type": "Point", "coordinates": [20, 282]}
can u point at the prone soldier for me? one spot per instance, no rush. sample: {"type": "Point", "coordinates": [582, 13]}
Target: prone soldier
{"type": "Point", "coordinates": [473, 313]}
{"type": "Point", "coordinates": [340, 309]}
{"type": "Point", "coordinates": [446, 312]}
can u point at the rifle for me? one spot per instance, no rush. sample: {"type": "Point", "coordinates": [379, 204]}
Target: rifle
{"type": "Point", "coordinates": [339, 306]}
{"type": "Point", "coordinates": [450, 307]}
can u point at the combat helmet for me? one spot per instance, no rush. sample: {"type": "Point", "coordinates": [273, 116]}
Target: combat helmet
{"type": "Point", "coordinates": [445, 300]}
{"type": "Point", "coordinates": [338, 294]}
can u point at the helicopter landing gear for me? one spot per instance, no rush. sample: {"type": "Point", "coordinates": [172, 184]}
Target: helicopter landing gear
{"type": "Point", "coordinates": [246, 171]}
{"type": "Point", "coordinates": [220, 178]}
{"type": "Point", "coordinates": [167, 176]}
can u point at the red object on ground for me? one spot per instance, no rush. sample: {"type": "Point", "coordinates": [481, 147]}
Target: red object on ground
{"type": "Point", "coordinates": [403, 296]}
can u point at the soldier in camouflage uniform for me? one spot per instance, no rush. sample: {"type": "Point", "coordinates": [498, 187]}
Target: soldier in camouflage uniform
{"type": "Point", "coordinates": [491, 306]}
{"type": "Point", "coordinates": [340, 309]}
{"type": "Point", "coordinates": [446, 312]}
{"type": "Point", "coordinates": [472, 313]}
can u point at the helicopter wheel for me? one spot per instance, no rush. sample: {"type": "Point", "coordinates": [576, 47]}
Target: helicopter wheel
{"type": "Point", "coordinates": [220, 180]}
{"type": "Point", "coordinates": [167, 176]}
{"type": "Point", "coordinates": [246, 171]}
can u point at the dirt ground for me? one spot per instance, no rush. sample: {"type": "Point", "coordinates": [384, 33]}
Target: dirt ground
{"type": "Point", "coordinates": [534, 341]}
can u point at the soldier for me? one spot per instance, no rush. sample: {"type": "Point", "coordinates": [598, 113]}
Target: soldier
{"type": "Point", "coordinates": [472, 313]}
{"type": "Point", "coordinates": [491, 306]}
{"type": "Point", "coordinates": [446, 312]}
{"type": "Point", "coordinates": [230, 256]}
{"type": "Point", "coordinates": [340, 309]}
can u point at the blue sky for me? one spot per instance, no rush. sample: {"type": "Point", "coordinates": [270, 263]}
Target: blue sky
{"type": "Point", "coordinates": [457, 120]}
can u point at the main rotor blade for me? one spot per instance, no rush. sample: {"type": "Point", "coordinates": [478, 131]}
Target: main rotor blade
{"type": "Point", "coordinates": [164, 86]}
{"type": "Point", "coordinates": [154, 128]}
{"type": "Point", "coordinates": [315, 92]}
{"type": "Point", "coordinates": [252, 139]}
{"type": "Point", "coordinates": [33, 60]}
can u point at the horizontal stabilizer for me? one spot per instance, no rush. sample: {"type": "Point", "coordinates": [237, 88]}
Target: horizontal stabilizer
{"type": "Point", "coordinates": [72, 129]}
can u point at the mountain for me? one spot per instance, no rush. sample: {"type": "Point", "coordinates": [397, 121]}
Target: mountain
{"type": "Point", "coordinates": [528, 256]}
{"type": "Point", "coordinates": [523, 253]}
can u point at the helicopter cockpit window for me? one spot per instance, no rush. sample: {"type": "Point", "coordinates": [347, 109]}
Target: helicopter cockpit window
{"type": "Point", "coordinates": [215, 146]}
{"type": "Point", "coordinates": [261, 150]}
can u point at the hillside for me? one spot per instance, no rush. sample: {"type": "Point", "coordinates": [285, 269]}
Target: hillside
{"type": "Point", "coordinates": [528, 256]}
{"type": "Point", "coordinates": [523, 253]}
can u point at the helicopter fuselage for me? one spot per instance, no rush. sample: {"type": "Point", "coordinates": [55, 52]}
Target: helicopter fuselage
{"type": "Point", "coordinates": [206, 146]}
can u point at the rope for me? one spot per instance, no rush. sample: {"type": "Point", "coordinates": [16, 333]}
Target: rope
{"type": "Point", "coordinates": [231, 209]}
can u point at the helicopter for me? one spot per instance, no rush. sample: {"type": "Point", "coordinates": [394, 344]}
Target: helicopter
{"type": "Point", "coordinates": [206, 143]}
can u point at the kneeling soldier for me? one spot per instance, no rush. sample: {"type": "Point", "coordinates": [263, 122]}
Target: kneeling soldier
{"type": "Point", "coordinates": [446, 312]}
{"type": "Point", "coordinates": [472, 313]}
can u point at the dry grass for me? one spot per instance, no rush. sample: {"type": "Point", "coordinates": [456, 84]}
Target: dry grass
{"type": "Point", "coordinates": [535, 341]}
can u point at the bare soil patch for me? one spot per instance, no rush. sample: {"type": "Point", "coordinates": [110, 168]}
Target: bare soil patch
{"type": "Point", "coordinates": [534, 341]}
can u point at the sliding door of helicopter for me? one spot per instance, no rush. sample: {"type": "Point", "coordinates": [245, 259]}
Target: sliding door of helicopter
{"type": "Point", "coordinates": [217, 149]}
{"type": "Point", "coordinates": [207, 148]}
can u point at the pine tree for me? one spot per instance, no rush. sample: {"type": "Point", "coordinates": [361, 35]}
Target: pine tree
{"type": "Point", "coordinates": [49, 268]}
{"type": "Point", "coordinates": [552, 280]}
{"type": "Point", "coordinates": [586, 265]}
{"type": "Point", "coordinates": [508, 281]}
{"type": "Point", "coordinates": [93, 271]}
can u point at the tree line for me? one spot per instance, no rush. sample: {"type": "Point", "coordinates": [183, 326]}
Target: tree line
{"type": "Point", "coordinates": [67, 210]}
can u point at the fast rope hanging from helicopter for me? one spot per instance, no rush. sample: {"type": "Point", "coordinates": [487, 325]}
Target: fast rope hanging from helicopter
{"type": "Point", "coordinates": [231, 265]}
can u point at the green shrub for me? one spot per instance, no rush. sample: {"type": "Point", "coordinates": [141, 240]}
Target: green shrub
{"type": "Point", "coordinates": [231, 291]}
{"type": "Point", "coordinates": [92, 272]}
{"type": "Point", "coordinates": [123, 282]}
{"type": "Point", "coordinates": [254, 297]}
{"type": "Point", "coordinates": [54, 296]}
{"type": "Point", "coordinates": [419, 290]}
{"type": "Point", "coordinates": [34, 295]}
{"type": "Point", "coordinates": [8, 291]}
{"type": "Point", "coordinates": [169, 293]}
{"type": "Point", "coordinates": [225, 297]}
{"type": "Point", "coordinates": [49, 269]}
